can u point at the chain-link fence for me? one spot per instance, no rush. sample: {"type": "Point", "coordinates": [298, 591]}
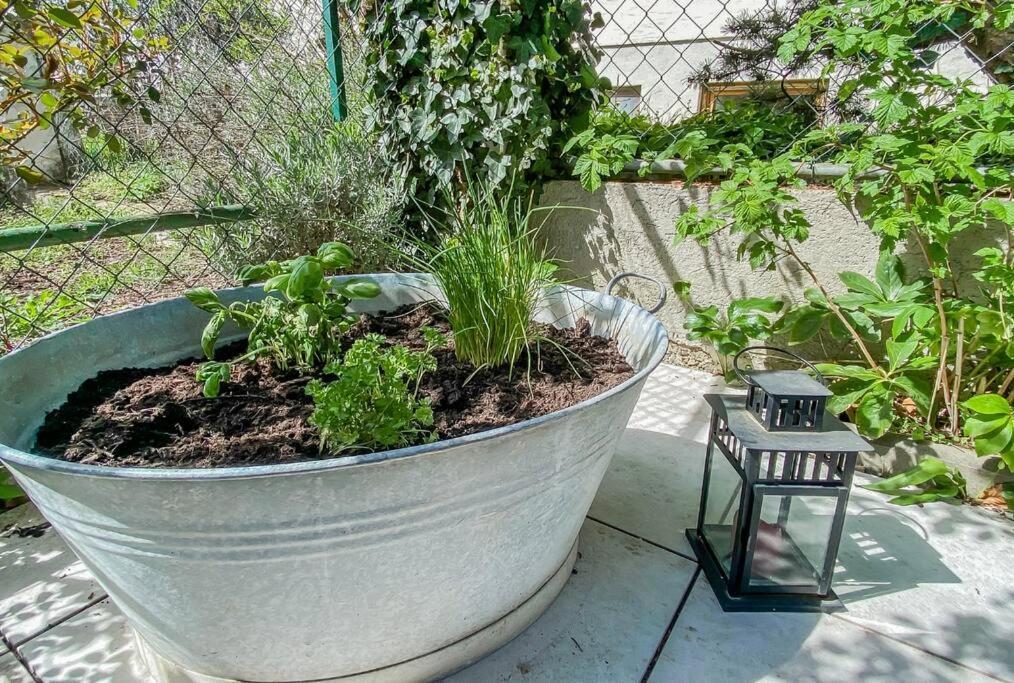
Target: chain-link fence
{"type": "Point", "coordinates": [676, 60]}
{"type": "Point", "coordinates": [137, 195]}
{"type": "Point", "coordinates": [226, 148]}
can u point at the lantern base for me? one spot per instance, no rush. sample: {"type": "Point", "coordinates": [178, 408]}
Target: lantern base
{"type": "Point", "coordinates": [757, 602]}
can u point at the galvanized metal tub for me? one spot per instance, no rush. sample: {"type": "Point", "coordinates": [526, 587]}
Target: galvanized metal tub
{"type": "Point", "coordinates": [400, 565]}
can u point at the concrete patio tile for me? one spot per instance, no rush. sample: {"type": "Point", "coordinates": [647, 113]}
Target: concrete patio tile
{"type": "Point", "coordinates": [672, 402]}
{"type": "Point", "coordinates": [42, 581]}
{"type": "Point", "coordinates": [937, 577]}
{"type": "Point", "coordinates": [92, 647]}
{"type": "Point", "coordinates": [606, 623]}
{"type": "Point", "coordinates": [653, 487]}
{"type": "Point", "coordinates": [11, 670]}
{"type": "Point", "coordinates": [707, 644]}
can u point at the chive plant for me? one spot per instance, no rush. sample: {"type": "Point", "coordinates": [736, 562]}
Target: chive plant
{"type": "Point", "coordinates": [492, 272]}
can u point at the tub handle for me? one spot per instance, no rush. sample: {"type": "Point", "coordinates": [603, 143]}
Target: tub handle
{"type": "Point", "coordinates": [662, 291]}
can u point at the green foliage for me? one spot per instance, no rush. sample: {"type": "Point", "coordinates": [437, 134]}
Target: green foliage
{"type": "Point", "coordinates": [704, 142]}
{"type": "Point", "coordinates": [492, 273]}
{"type": "Point", "coordinates": [491, 88]}
{"type": "Point", "coordinates": [890, 312]}
{"type": "Point", "coordinates": [302, 321]}
{"type": "Point", "coordinates": [9, 490]}
{"type": "Point", "coordinates": [930, 480]}
{"type": "Point", "coordinates": [372, 402]}
{"type": "Point", "coordinates": [43, 311]}
{"type": "Point", "coordinates": [933, 161]}
{"type": "Point", "coordinates": [101, 52]}
{"type": "Point", "coordinates": [308, 189]}
{"type": "Point", "coordinates": [241, 29]}
{"type": "Point", "coordinates": [989, 422]}
{"type": "Point", "coordinates": [744, 320]}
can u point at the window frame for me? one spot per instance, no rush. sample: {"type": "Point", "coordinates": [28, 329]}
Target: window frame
{"type": "Point", "coordinates": [793, 88]}
{"type": "Point", "coordinates": [634, 90]}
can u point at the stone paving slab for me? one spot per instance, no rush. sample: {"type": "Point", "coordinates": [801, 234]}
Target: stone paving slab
{"type": "Point", "coordinates": [607, 621]}
{"type": "Point", "coordinates": [663, 474]}
{"type": "Point", "coordinates": [707, 644]}
{"type": "Point", "coordinates": [41, 581]}
{"type": "Point", "coordinates": [11, 670]}
{"type": "Point", "coordinates": [605, 625]}
{"type": "Point", "coordinates": [95, 646]}
{"type": "Point", "coordinates": [672, 402]}
{"type": "Point", "coordinates": [939, 578]}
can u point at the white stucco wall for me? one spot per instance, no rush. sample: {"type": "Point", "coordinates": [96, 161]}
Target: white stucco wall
{"type": "Point", "coordinates": [657, 45]}
{"type": "Point", "coordinates": [630, 227]}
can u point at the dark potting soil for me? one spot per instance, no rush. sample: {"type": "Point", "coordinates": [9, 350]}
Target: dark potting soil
{"type": "Point", "coordinates": [159, 418]}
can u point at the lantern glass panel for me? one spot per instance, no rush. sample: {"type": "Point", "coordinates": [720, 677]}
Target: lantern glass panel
{"type": "Point", "coordinates": [721, 514]}
{"type": "Point", "coordinates": [792, 537]}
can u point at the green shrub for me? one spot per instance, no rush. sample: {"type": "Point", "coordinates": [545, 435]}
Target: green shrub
{"type": "Point", "coordinates": [492, 272]}
{"type": "Point", "coordinates": [41, 312]}
{"type": "Point", "coordinates": [372, 402]}
{"type": "Point", "coordinates": [309, 188]}
{"type": "Point", "coordinates": [490, 88]}
{"type": "Point", "coordinates": [703, 142]}
{"type": "Point", "coordinates": [744, 321]}
{"type": "Point", "coordinates": [932, 161]}
{"type": "Point", "coordinates": [302, 321]}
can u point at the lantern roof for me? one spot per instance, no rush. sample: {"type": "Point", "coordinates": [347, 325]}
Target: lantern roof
{"type": "Point", "coordinates": [834, 435]}
{"type": "Point", "coordinates": [788, 383]}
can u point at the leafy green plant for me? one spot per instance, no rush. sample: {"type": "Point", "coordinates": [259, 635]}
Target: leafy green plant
{"type": "Point", "coordinates": [300, 323]}
{"type": "Point", "coordinates": [743, 321]}
{"type": "Point", "coordinates": [932, 160]}
{"type": "Point", "coordinates": [708, 141]}
{"type": "Point", "coordinates": [929, 481]}
{"type": "Point", "coordinates": [990, 423]}
{"type": "Point", "coordinates": [57, 57]}
{"type": "Point", "coordinates": [492, 88]}
{"type": "Point", "coordinates": [603, 155]}
{"type": "Point", "coordinates": [373, 400]}
{"type": "Point", "coordinates": [43, 311]}
{"type": "Point", "coordinates": [492, 273]}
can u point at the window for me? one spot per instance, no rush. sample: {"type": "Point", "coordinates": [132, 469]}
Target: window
{"type": "Point", "coordinates": [626, 98]}
{"type": "Point", "coordinates": [804, 93]}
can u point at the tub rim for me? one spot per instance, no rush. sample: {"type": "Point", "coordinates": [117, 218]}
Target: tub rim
{"type": "Point", "coordinates": [36, 461]}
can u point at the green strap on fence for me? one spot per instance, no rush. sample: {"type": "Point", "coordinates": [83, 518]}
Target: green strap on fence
{"type": "Point", "coordinates": [335, 67]}
{"type": "Point", "coordinates": [15, 239]}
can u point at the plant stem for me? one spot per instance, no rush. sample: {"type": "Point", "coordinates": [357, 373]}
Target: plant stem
{"type": "Point", "coordinates": [959, 359]}
{"type": "Point", "coordinates": [940, 383]}
{"type": "Point", "coordinates": [1007, 383]}
{"type": "Point", "coordinates": [863, 349]}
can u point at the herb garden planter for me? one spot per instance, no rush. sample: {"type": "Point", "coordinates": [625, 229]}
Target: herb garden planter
{"type": "Point", "coordinates": [393, 566]}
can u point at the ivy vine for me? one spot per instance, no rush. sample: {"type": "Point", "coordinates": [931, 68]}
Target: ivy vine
{"type": "Point", "coordinates": [489, 89]}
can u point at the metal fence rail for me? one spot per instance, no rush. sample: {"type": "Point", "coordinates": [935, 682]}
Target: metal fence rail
{"type": "Point", "coordinates": [160, 190]}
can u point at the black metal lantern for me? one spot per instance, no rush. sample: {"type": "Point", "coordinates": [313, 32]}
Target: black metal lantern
{"type": "Point", "coordinates": [776, 482]}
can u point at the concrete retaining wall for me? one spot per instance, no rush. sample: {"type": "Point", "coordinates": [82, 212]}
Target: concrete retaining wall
{"type": "Point", "coordinates": [629, 226]}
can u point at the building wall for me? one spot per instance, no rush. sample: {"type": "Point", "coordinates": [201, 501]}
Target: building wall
{"type": "Point", "coordinates": [659, 45]}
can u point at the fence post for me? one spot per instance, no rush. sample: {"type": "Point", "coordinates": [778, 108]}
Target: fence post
{"type": "Point", "coordinates": [335, 68]}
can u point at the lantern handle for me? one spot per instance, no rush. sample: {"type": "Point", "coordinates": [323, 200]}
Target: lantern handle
{"type": "Point", "coordinates": [661, 288]}
{"type": "Point", "coordinates": [746, 378]}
